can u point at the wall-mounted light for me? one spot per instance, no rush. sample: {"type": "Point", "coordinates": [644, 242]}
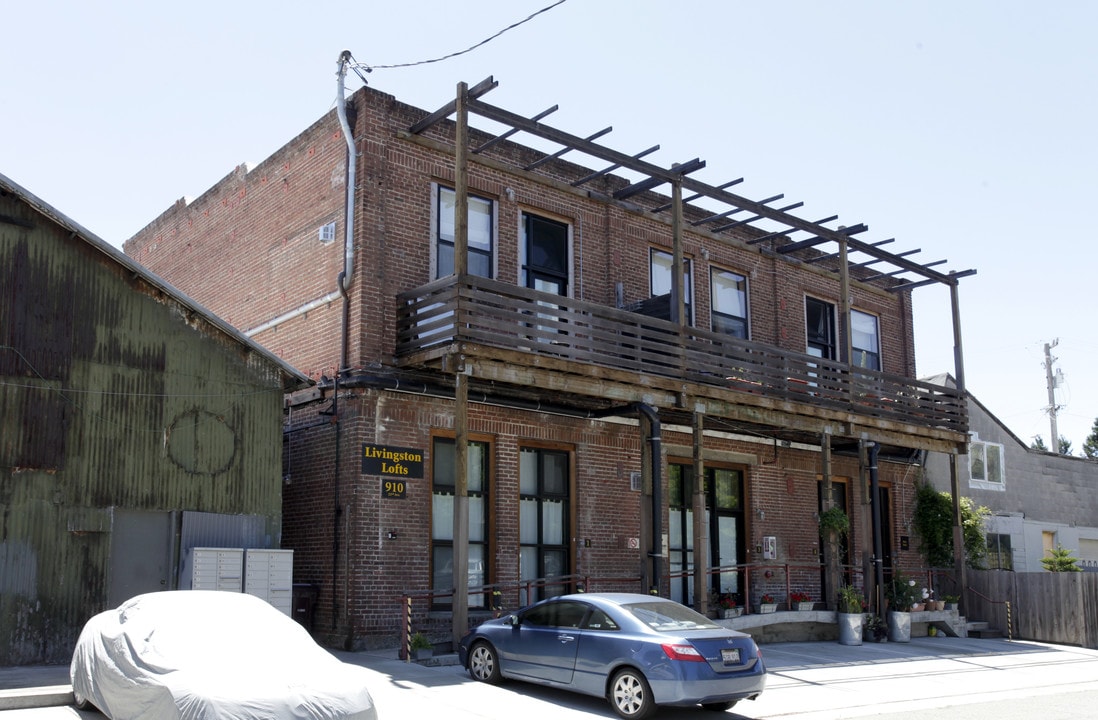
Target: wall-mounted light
{"type": "Point", "coordinates": [392, 534]}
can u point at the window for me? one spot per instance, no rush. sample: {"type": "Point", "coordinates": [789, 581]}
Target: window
{"type": "Point", "coordinates": [865, 340]}
{"type": "Point", "coordinates": [729, 292]}
{"type": "Point", "coordinates": [999, 556]}
{"type": "Point", "coordinates": [327, 233]}
{"type": "Point", "coordinates": [820, 328]}
{"type": "Point", "coordinates": [481, 224]}
{"type": "Point", "coordinates": [985, 464]}
{"type": "Point", "coordinates": [661, 272]}
{"type": "Point", "coordinates": [545, 254]}
{"type": "Point", "coordinates": [544, 488]}
{"type": "Point", "coordinates": [443, 480]}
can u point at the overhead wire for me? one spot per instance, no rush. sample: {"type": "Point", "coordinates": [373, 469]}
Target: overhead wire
{"type": "Point", "coordinates": [356, 66]}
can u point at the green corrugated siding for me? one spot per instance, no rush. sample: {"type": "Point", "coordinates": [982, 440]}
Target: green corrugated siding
{"type": "Point", "coordinates": [110, 396]}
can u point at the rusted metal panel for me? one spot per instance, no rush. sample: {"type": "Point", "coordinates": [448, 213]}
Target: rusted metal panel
{"type": "Point", "coordinates": [114, 394]}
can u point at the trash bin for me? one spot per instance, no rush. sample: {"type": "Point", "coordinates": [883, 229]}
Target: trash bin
{"type": "Point", "coordinates": [304, 603]}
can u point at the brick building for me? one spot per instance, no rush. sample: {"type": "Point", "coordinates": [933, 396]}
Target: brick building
{"type": "Point", "coordinates": [571, 342]}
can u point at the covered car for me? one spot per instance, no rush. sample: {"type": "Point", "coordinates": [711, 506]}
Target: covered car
{"type": "Point", "coordinates": [206, 655]}
{"type": "Point", "coordinates": [638, 651]}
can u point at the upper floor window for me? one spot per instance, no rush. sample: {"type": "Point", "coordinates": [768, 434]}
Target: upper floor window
{"type": "Point", "coordinates": [481, 240]}
{"type": "Point", "coordinates": [865, 340]}
{"type": "Point", "coordinates": [544, 254]}
{"type": "Point", "coordinates": [820, 328]}
{"type": "Point", "coordinates": [729, 291]}
{"type": "Point", "coordinates": [985, 463]}
{"type": "Point", "coordinates": [661, 269]}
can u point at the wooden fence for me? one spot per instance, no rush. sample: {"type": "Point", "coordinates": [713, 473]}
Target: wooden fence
{"type": "Point", "coordinates": [1044, 606]}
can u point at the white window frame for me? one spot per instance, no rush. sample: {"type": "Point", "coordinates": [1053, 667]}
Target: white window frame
{"type": "Point", "coordinates": [855, 349]}
{"type": "Point", "coordinates": [978, 452]}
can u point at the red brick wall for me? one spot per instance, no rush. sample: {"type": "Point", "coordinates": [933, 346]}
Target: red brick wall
{"type": "Point", "coordinates": [248, 249]}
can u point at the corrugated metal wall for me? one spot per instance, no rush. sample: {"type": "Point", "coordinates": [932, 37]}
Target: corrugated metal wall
{"type": "Point", "coordinates": [111, 396]}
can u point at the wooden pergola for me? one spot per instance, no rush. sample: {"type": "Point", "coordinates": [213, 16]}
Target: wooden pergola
{"type": "Point", "coordinates": [715, 210]}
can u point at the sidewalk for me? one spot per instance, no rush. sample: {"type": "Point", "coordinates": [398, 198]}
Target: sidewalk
{"type": "Point", "coordinates": [803, 676]}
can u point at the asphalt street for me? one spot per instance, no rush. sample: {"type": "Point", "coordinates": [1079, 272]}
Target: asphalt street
{"type": "Point", "coordinates": [929, 677]}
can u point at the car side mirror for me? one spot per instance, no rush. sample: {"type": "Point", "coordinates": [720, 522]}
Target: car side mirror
{"type": "Point", "coordinates": [514, 620]}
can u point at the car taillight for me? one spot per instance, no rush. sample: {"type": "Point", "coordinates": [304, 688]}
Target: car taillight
{"type": "Point", "coordinates": [682, 652]}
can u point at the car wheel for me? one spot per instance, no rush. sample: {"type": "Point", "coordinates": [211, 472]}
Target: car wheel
{"type": "Point", "coordinates": [719, 707]}
{"type": "Point", "coordinates": [630, 695]}
{"type": "Point", "coordinates": [82, 703]}
{"type": "Point", "coordinates": [484, 663]}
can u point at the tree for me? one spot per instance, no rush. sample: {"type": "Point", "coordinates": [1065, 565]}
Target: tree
{"type": "Point", "coordinates": [1065, 446]}
{"type": "Point", "coordinates": [1060, 560]}
{"type": "Point", "coordinates": [1038, 444]}
{"type": "Point", "coordinates": [933, 522]}
{"type": "Point", "coordinates": [1090, 445]}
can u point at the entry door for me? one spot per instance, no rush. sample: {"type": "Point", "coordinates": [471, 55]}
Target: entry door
{"type": "Point", "coordinates": [142, 554]}
{"type": "Point", "coordinates": [727, 544]}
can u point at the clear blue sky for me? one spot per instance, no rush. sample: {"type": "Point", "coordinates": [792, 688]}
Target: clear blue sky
{"type": "Point", "coordinates": [966, 129]}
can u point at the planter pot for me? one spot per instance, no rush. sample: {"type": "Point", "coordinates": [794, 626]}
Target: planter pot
{"type": "Point", "coordinates": [951, 607]}
{"type": "Point", "coordinates": [768, 607]}
{"type": "Point", "coordinates": [423, 654]}
{"type": "Point", "coordinates": [850, 628]}
{"type": "Point", "coordinates": [899, 626]}
{"type": "Point", "coordinates": [918, 607]}
{"type": "Point", "coordinates": [804, 606]}
{"type": "Point", "coordinates": [729, 613]}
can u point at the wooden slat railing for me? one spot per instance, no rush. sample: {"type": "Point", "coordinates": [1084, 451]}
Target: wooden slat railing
{"type": "Point", "coordinates": [495, 314]}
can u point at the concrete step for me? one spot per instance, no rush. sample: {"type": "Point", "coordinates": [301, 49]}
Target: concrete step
{"type": "Point", "coordinates": [981, 629]}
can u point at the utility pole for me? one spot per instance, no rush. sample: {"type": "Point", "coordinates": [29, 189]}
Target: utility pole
{"type": "Point", "coordinates": [1053, 381]}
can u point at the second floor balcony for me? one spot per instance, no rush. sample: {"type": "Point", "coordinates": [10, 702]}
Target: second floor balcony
{"type": "Point", "coordinates": [597, 357]}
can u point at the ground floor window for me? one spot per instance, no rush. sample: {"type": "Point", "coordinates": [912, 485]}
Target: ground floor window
{"type": "Point", "coordinates": [443, 481]}
{"type": "Point", "coordinates": [724, 503]}
{"type": "Point", "coordinates": [544, 520]}
{"type": "Point", "coordinates": [999, 556]}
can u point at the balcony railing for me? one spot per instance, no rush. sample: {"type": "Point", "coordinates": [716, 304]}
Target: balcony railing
{"type": "Point", "coordinates": [488, 313]}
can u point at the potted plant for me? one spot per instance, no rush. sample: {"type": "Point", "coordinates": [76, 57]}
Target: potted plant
{"type": "Point", "coordinates": [834, 518]}
{"type": "Point", "coordinates": [727, 607]}
{"type": "Point", "coordinates": [849, 615]}
{"type": "Point", "coordinates": [875, 628]}
{"type": "Point", "coordinates": [422, 649]}
{"type": "Point", "coordinates": [951, 602]}
{"type": "Point", "coordinates": [902, 597]}
{"type": "Point", "coordinates": [800, 600]}
{"type": "Point", "coordinates": [767, 604]}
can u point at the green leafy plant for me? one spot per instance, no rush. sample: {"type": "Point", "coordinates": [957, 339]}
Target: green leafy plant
{"type": "Point", "coordinates": [951, 598]}
{"type": "Point", "coordinates": [1060, 560]}
{"type": "Point", "coordinates": [420, 642]}
{"type": "Point", "coordinates": [902, 593]}
{"type": "Point", "coordinates": [874, 626]}
{"type": "Point", "coordinates": [933, 523]}
{"type": "Point", "coordinates": [850, 600]}
{"type": "Point", "coordinates": [835, 519]}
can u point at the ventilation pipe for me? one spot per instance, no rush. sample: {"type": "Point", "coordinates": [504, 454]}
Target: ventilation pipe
{"type": "Point", "coordinates": [347, 274]}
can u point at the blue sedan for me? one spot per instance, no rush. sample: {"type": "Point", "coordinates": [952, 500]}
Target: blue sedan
{"type": "Point", "coordinates": [638, 651]}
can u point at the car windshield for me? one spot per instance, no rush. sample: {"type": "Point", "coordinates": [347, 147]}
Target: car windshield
{"type": "Point", "coordinates": [669, 616]}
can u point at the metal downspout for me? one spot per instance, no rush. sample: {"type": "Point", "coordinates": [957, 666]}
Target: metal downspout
{"type": "Point", "coordinates": [344, 283]}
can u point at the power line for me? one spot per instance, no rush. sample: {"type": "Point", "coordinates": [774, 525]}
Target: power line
{"type": "Point", "coordinates": [370, 68]}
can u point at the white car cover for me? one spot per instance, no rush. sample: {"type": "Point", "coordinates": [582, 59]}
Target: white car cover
{"type": "Point", "coordinates": [208, 655]}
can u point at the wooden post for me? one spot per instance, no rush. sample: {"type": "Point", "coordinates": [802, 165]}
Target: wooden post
{"type": "Point", "coordinates": [460, 599]}
{"type": "Point", "coordinates": [700, 529]}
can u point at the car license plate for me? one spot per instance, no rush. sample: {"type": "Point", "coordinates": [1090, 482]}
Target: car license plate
{"type": "Point", "coordinates": [730, 656]}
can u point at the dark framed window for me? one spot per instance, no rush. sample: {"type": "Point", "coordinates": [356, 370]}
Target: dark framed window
{"type": "Point", "coordinates": [999, 556]}
{"type": "Point", "coordinates": [443, 483]}
{"type": "Point", "coordinates": [820, 328]}
{"type": "Point", "coordinates": [865, 340]}
{"type": "Point", "coordinates": [481, 234]}
{"type": "Point", "coordinates": [729, 298]}
{"type": "Point", "coordinates": [661, 270]}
